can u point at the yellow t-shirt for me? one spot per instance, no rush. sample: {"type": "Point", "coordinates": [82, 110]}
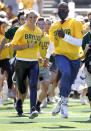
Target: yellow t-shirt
{"type": "Point", "coordinates": [43, 46]}
{"type": "Point", "coordinates": [73, 28]}
{"type": "Point", "coordinates": [7, 52]}
{"type": "Point", "coordinates": [24, 35]}
{"type": "Point", "coordinates": [85, 25]}
{"type": "Point", "coordinates": [85, 28]}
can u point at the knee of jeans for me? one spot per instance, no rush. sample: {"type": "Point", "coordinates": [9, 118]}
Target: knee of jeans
{"type": "Point", "coordinates": [66, 74]}
{"type": "Point", "coordinates": [33, 87]}
{"type": "Point", "coordinates": [22, 91]}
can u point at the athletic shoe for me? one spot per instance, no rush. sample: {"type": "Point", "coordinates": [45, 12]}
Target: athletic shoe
{"type": "Point", "coordinates": [39, 110]}
{"type": "Point", "coordinates": [64, 111]}
{"type": "Point", "coordinates": [33, 113]}
{"type": "Point", "coordinates": [83, 100]}
{"type": "Point", "coordinates": [64, 108]}
{"type": "Point", "coordinates": [44, 103]}
{"type": "Point", "coordinates": [19, 108]}
{"type": "Point", "coordinates": [57, 108]}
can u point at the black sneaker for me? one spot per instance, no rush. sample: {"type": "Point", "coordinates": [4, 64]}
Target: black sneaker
{"type": "Point", "coordinates": [19, 108]}
{"type": "Point", "coordinates": [34, 113]}
{"type": "Point", "coordinates": [39, 110]}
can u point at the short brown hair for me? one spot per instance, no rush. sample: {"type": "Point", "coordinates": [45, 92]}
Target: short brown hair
{"type": "Point", "coordinates": [89, 14]}
{"type": "Point", "coordinates": [21, 12]}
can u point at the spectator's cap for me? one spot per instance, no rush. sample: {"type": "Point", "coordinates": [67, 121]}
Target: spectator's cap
{"type": "Point", "coordinates": [3, 14]}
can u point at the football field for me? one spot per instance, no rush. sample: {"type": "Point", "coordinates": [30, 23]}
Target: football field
{"type": "Point", "coordinates": [78, 118]}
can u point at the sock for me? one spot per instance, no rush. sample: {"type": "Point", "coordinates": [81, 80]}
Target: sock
{"type": "Point", "coordinates": [38, 104]}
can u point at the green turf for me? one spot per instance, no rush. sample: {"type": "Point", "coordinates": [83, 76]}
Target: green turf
{"type": "Point", "coordinates": [78, 118]}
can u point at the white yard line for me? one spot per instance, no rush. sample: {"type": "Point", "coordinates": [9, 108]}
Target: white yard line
{"type": "Point", "coordinates": [58, 129]}
{"type": "Point", "coordinates": [9, 117]}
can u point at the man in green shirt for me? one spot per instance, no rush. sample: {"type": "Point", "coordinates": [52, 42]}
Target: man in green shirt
{"type": "Point", "coordinates": [86, 45]}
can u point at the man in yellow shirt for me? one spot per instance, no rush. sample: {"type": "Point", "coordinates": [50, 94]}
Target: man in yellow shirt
{"type": "Point", "coordinates": [66, 35]}
{"type": "Point", "coordinates": [44, 76]}
{"type": "Point", "coordinates": [26, 42]}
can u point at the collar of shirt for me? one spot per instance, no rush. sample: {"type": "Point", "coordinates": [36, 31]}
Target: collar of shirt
{"type": "Point", "coordinates": [62, 21]}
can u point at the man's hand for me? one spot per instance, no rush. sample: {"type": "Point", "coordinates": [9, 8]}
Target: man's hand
{"type": "Point", "coordinates": [40, 59]}
{"type": "Point", "coordinates": [7, 45]}
{"type": "Point", "coordinates": [46, 63]}
{"type": "Point", "coordinates": [61, 33]}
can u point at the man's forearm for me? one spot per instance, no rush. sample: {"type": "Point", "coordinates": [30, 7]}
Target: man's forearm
{"type": "Point", "coordinates": [72, 40]}
{"type": "Point", "coordinates": [20, 47]}
{"type": "Point", "coordinates": [2, 43]}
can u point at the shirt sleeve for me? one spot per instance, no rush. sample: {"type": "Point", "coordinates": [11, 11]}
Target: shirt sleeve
{"type": "Point", "coordinates": [9, 34]}
{"type": "Point", "coordinates": [50, 50]}
{"type": "Point", "coordinates": [72, 40]}
{"type": "Point", "coordinates": [17, 37]}
{"type": "Point", "coordinates": [85, 41]}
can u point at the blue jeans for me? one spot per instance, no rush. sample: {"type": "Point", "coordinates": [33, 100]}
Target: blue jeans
{"type": "Point", "coordinates": [69, 70]}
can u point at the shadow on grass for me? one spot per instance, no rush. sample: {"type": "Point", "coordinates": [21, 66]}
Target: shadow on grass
{"type": "Point", "coordinates": [21, 122]}
{"type": "Point", "coordinates": [8, 103]}
{"type": "Point", "coordinates": [88, 121]}
{"type": "Point", "coordinates": [17, 116]}
{"type": "Point", "coordinates": [74, 105]}
{"type": "Point", "coordinates": [6, 108]}
{"type": "Point", "coordinates": [55, 127]}
{"type": "Point", "coordinates": [86, 111]}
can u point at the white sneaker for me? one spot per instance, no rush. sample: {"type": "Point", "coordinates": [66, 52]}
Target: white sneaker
{"type": "Point", "coordinates": [64, 108]}
{"type": "Point", "coordinates": [33, 114]}
{"type": "Point", "coordinates": [83, 100]}
{"type": "Point", "coordinates": [44, 103]}
{"type": "Point", "coordinates": [64, 111]}
{"type": "Point", "coordinates": [57, 108]}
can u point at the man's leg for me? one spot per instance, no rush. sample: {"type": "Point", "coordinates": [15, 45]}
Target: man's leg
{"type": "Point", "coordinates": [69, 71]}
{"type": "Point", "coordinates": [21, 76]}
{"type": "Point", "coordinates": [33, 80]}
{"type": "Point", "coordinates": [44, 82]}
{"type": "Point", "coordinates": [7, 67]}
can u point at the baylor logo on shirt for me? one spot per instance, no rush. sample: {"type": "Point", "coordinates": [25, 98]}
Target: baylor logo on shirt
{"type": "Point", "coordinates": [32, 37]}
{"type": "Point", "coordinates": [43, 44]}
{"type": "Point", "coordinates": [66, 31]}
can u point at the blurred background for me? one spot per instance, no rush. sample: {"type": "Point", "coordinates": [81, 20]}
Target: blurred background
{"type": "Point", "coordinates": [47, 7]}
